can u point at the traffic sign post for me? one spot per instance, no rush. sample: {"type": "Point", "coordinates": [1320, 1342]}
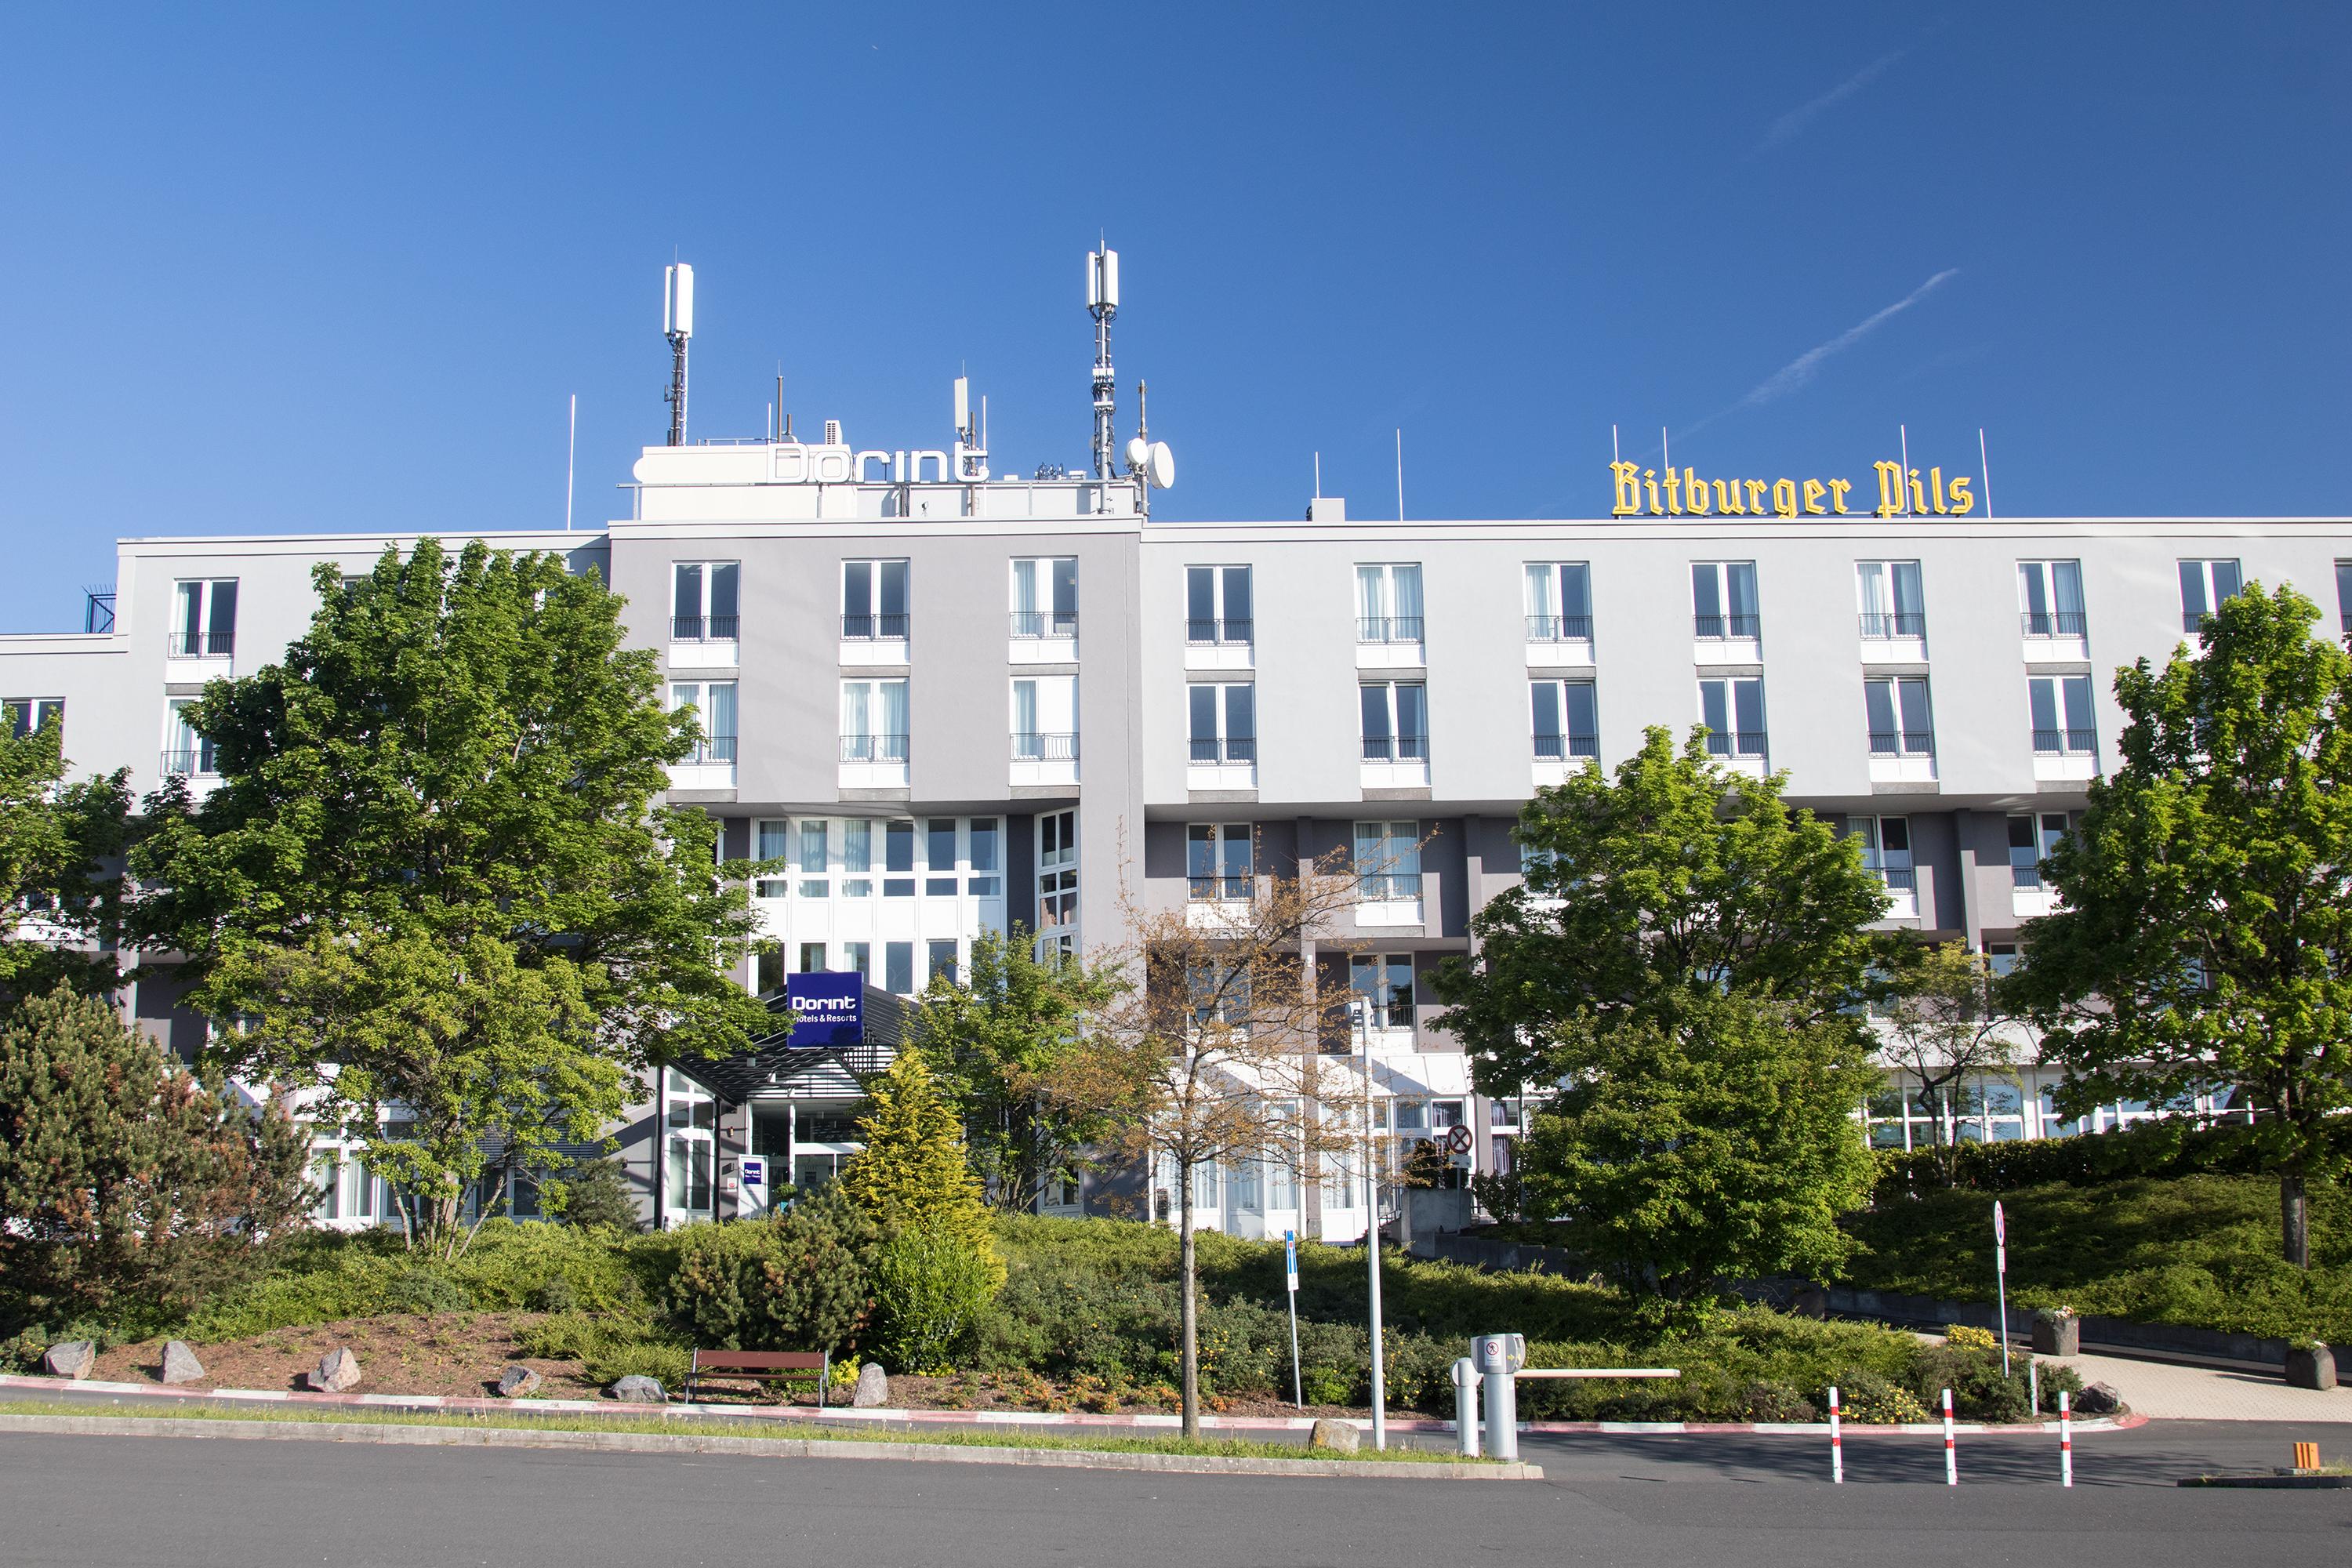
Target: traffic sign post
{"type": "Point", "coordinates": [2001, 1281]}
{"type": "Point", "coordinates": [1290, 1273]}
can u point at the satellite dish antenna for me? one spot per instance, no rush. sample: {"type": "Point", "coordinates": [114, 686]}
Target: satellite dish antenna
{"type": "Point", "coordinates": [1139, 455]}
{"type": "Point", "coordinates": [1159, 466]}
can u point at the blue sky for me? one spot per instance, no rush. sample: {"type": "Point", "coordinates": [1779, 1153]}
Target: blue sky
{"type": "Point", "coordinates": [320, 268]}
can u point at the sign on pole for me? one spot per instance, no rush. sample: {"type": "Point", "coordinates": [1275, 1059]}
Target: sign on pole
{"type": "Point", "coordinates": [1290, 1272]}
{"type": "Point", "coordinates": [2000, 1278]}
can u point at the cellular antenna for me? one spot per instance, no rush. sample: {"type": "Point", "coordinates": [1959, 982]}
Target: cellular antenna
{"type": "Point", "coordinates": [1102, 304]}
{"type": "Point", "coordinates": [677, 326]}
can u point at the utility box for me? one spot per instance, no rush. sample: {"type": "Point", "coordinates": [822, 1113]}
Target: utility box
{"type": "Point", "coordinates": [1499, 1353]}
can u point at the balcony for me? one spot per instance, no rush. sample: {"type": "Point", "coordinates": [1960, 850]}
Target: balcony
{"type": "Point", "coordinates": [1902, 756]}
{"type": "Point", "coordinates": [190, 762]}
{"type": "Point", "coordinates": [1395, 762]}
{"type": "Point", "coordinates": [1219, 764]}
{"type": "Point", "coordinates": [1032, 624]}
{"type": "Point", "coordinates": [1220, 643]}
{"type": "Point", "coordinates": [1557, 756]}
{"type": "Point", "coordinates": [1041, 759]}
{"type": "Point", "coordinates": [1881, 626]}
{"type": "Point", "coordinates": [873, 762]}
{"type": "Point", "coordinates": [1732, 629]}
{"type": "Point", "coordinates": [1902, 891]}
{"type": "Point", "coordinates": [703, 642]}
{"type": "Point", "coordinates": [874, 639]}
{"type": "Point", "coordinates": [200, 645]}
{"type": "Point", "coordinates": [2070, 753]}
{"type": "Point", "coordinates": [1745, 751]}
{"type": "Point", "coordinates": [1555, 640]}
{"type": "Point", "coordinates": [1217, 902]}
{"type": "Point", "coordinates": [2055, 624]}
{"type": "Point", "coordinates": [2029, 895]}
{"type": "Point", "coordinates": [1389, 642]}
{"type": "Point", "coordinates": [710, 765]}
{"type": "Point", "coordinates": [703, 628]}
{"type": "Point", "coordinates": [1388, 899]}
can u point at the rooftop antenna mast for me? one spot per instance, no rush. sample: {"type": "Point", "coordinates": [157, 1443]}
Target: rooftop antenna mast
{"type": "Point", "coordinates": [677, 326]}
{"type": "Point", "coordinates": [1102, 304]}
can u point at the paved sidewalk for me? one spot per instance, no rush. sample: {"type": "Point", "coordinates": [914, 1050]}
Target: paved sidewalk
{"type": "Point", "coordinates": [2168, 1392]}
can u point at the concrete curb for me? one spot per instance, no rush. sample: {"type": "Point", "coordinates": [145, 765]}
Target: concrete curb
{"type": "Point", "coordinates": [763, 1448]}
{"type": "Point", "coordinates": [1146, 1423]}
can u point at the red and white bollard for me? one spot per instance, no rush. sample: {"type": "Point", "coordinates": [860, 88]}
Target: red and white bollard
{"type": "Point", "coordinates": [1951, 1456]}
{"type": "Point", "coordinates": [1837, 1444]}
{"type": "Point", "coordinates": [2065, 1440]}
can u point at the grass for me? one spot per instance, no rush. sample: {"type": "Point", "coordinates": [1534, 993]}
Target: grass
{"type": "Point", "coordinates": [1012, 1438]}
{"type": "Point", "coordinates": [2199, 1250]}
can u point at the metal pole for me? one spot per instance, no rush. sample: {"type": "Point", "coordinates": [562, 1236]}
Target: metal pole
{"type": "Point", "coordinates": [1466, 1406]}
{"type": "Point", "coordinates": [2065, 1441]}
{"type": "Point", "coordinates": [1372, 1246]}
{"type": "Point", "coordinates": [1837, 1444]}
{"type": "Point", "coordinates": [1951, 1456]}
{"type": "Point", "coordinates": [1502, 1403]}
{"type": "Point", "coordinates": [2001, 1281]}
{"type": "Point", "coordinates": [1290, 1261]}
{"type": "Point", "coordinates": [570, 462]}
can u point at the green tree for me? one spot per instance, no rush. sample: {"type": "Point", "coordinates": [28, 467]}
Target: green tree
{"type": "Point", "coordinates": [1944, 1024]}
{"type": "Point", "coordinates": [437, 879]}
{"type": "Point", "coordinates": [913, 1171]}
{"type": "Point", "coordinates": [59, 842]}
{"type": "Point", "coordinates": [123, 1181]}
{"type": "Point", "coordinates": [2203, 932]}
{"type": "Point", "coordinates": [992, 1043]}
{"type": "Point", "coordinates": [1679, 919]}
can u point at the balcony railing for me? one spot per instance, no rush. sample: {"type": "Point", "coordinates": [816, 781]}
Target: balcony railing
{"type": "Point", "coordinates": [1560, 629]}
{"type": "Point", "coordinates": [2028, 876]}
{"type": "Point", "coordinates": [2194, 620]}
{"type": "Point", "coordinates": [716, 750]}
{"type": "Point", "coordinates": [1884, 624]}
{"type": "Point", "coordinates": [201, 645]}
{"type": "Point", "coordinates": [1045, 623]}
{"type": "Point", "coordinates": [1388, 628]}
{"type": "Point", "coordinates": [1401, 749]}
{"type": "Point", "coordinates": [1899, 878]}
{"type": "Point", "coordinates": [1728, 625]}
{"type": "Point", "coordinates": [1388, 887]}
{"type": "Point", "coordinates": [704, 629]}
{"type": "Point", "coordinates": [874, 748]}
{"type": "Point", "coordinates": [2054, 623]}
{"type": "Point", "coordinates": [1226, 749]}
{"type": "Point", "coordinates": [1559, 748]}
{"type": "Point", "coordinates": [196, 761]}
{"type": "Point", "coordinates": [1901, 744]}
{"type": "Point", "coordinates": [1745, 744]}
{"type": "Point", "coordinates": [1228, 633]}
{"type": "Point", "coordinates": [2064, 743]}
{"type": "Point", "coordinates": [860, 628]}
{"type": "Point", "coordinates": [1045, 748]}
{"type": "Point", "coordinates": [1226, 890]}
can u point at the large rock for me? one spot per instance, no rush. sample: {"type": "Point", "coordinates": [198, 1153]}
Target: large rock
{"type": "Point", "coordinates": [639, 1389]}
{"type": "Point", "coordinates": [1336, 1437]}
{"type": "Point", "coordinates": [338, 1370]}
{"type": "Point", "coordinates": [2057, 1333]}
{"type": "Point", "coordinates": [873, 1388]}
{"type": "Point", "coordinates": [2311, 1366]}
{"type": "Point", "coordinates": [2099, 1399]}
{"type": "Point", "coordinates": [74, 1357]}
{"type": "Point", "coordinates": [180, 1363]}
{"type": "Point", "coordinates": [516, 1382]}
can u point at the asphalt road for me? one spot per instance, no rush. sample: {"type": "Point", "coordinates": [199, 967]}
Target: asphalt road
{"type": "Point", "coordinates": [192, 1503]}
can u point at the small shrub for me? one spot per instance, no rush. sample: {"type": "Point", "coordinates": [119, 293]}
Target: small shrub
{"type": "Point", "coordinates": [561, 1336]}
{"type": "Point", "coordinates": [930, 1291]}
{"type": "Point", "coordinates": [665, 1363]}
{"type": "Point", "coordinates": [555, 1294]}
{"type": "Point", "coordinates": [1872, 1401]}
{"type": "Point", "coordinates": [1327, 1386]}
{"type": "Point", "coordinates": [791, 1283]}
{"type": "Point", "coordinates": [424, 1290]}
{"type": "Point", "coordinates": [1777, 1401]}
{"type": "Point", "coordinates": [1968, 1337]}
{"type": "Point", "coordinates": [596, 1193]}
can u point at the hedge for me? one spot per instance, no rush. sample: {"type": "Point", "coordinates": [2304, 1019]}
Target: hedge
{"type": "Point", "coordinates": [2163, 1147]}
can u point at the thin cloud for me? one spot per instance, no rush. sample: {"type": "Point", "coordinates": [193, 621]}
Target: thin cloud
{"type": "Point", "coordinates": [1797, 373]}
{"type": "Point", "coordinates": [1796, 119]}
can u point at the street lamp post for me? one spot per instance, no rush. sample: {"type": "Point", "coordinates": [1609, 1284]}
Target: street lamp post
{"type": "Point", "coordinates": [1356, 1014]}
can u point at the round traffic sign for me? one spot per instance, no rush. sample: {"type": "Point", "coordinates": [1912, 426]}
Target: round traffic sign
{"type": "Point", "coordinates": [1458, 1140]}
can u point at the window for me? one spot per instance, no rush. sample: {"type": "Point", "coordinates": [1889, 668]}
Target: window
{"type": "Point", "coordinates": [1723, 599]}
{"type": "Point", "coordinates": [703, 601]}
{"type": "Point", "coordinates": [1046, 598]}
{"type": "Point", "coordinates": [1887, 849]}
{"type": "Point", "coordinates": [1388, 604]}
{"type": "Point", "coordinates": [188, 752]}
{"type": "Point", "coordinates": [1733, 712]}
{"type": "Point", "coordinates": [1217, 862]}
{"type": "Point", "coordinates": [1383, 984]}
{"type": "Point", "coordinates": [767, 969]}
{"type": "Point", "coordinates": [26, 714]}
{"type": "Point", "coordinates": [897, 855]}
{"type": "Point", "coordinates": [812, 958]}
{"type": "Point", "coordinates": [772, 845]}
{"type": "Point", "coordinates": [1223, 722]}
{"type": "Point", "coordinates": [2029, 847]}
{"type": "Point", "coordinates": [1217, 605]}
{"type": "Point", "coordinates": [2062, 720]}
{"type": "Point", "coordinates": [873, 721]}
{"type": "Point", "coordinates": [898, 967]}
{"type": "Point", "coordinates": [1897, 710]}
{"type": "Point", "coordinates": [814, 859]}
{"type": "Point", "coordinates": [2001, 958]}
{"type": "Point", "coordinates": [714, 705]}
{"type": "Point", "coordinates": [986, 881]}
{"type": "Point", "coordinates": [1388, 862]}
{"type": "Point", "coordinates": [1219, 994]}
{"type": "Point", "coordinates": [205, 625]}
{"type": "Point", "coordinates": [1045, 719]}
{"type": "Point", "coordinates": [873, 601]}
{"type": "Point", "coordinates": [1396, 722]}
{"type": "Point", "coordinates": [942, 953]}
{"type": "Point", "coordinates": [939, 858]}
{"type": "Point", "coordinates": [857, 859]}
{"type": "Point", "coordinates": [1057, 868]}
{"type": "Point", "coordinates": [1890, 597]}
{"type": "Point", "coordinates": [693, 1122]}
{"type": "Point", "coordinates": [2344, 596]}
{"type": "Point", "coordinates": [1560, 601]}
{"type": "Point", "coordinates": [2050, 598]}
{"type": "Point", "coordinates": [857, 957]}
{"type": "Point", "coordinates": [1567, 720]}
{"type": "Point", "coordinates": [2203, 585]}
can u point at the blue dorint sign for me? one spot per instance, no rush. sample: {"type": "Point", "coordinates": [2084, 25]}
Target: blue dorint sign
{"type": "Point", "coordinates": [827, 1009]}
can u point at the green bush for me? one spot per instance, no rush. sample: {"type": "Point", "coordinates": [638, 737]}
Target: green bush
{"type": "Point", "coordinates": [2168, 1146]}
{"type": "Point", "coordinates": [596, 1193]}
{"type": "Point", "coordinates": [799, 1281]}
{"type": "Point", "coordinates": [665, 1362]}
{"type": "Point", "coordinates": [930, 1291]}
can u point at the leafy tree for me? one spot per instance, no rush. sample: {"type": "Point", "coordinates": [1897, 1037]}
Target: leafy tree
{"type": "Point", "coordinates": [436, 880]}
{"type": "Point", "coordinates": [992, 1043]}
{"type": "Point", "coordinates": [596, 1193]}
{"type": "Point", "coordinates": [2203, 934]}
{"type": "Point", "coordinates": [57, 841]}
{"type": "Point", "coordinates": [1720, 1147]}
{"type": "Point", "coordinates": [913, 1171]}
{"type": "Point", "coordinates": [1944, 1023]}
{"type": "Point", "coordinates": [1683, 944]}
{"type": "Point", "coordinates": [1211, 1053]}
{"type": "Point", "coordinates": [123, 1181]}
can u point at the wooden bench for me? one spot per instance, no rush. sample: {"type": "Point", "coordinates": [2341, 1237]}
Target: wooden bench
{"type": "Point", "coordinates": [761, 1366]}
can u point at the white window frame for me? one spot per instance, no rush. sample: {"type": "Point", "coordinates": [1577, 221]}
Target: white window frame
{"type": "Point", "coordinates": [1390, 608]}
{"type": "Point", "coordinates": [210, 639]}
{"type": "Point", "coordinates": [1890, 600]}
{"type": "Point", "coordinates": [2203, 579]}
{"type": "Point", "coordinates": [1557, 599]}
{"type": "Point", "coordinates": [704, 624]}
